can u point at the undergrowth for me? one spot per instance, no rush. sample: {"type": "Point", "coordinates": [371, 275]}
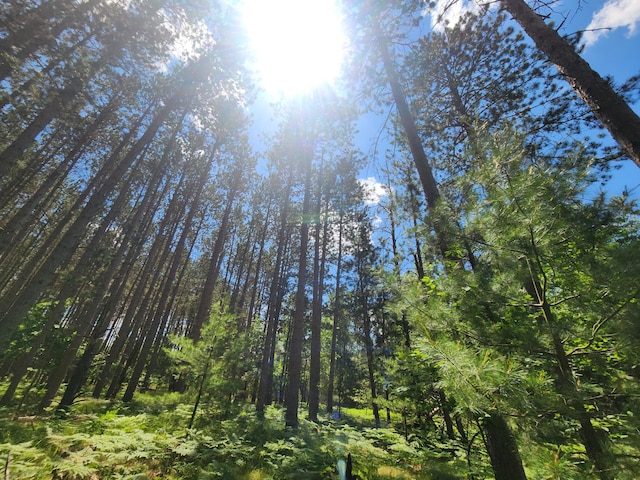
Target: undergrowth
{"type": "Point", "coordinates": [148, 439]}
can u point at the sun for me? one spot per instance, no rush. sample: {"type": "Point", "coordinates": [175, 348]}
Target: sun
{"type": "Point", "coordinates": [297, 45]}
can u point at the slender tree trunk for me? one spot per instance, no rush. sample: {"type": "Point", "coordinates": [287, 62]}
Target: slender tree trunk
{"type": "Point", "coordinates": [266, 366]}
{"type": "Point", "coordinates": [608, 107]}
{"type": "Point", "coordinates": [316, 313]}
{"type": "Point", "coordinates": [242, 265]}
{"type": "Point", "coordinates": [37, 32]}
{"type": "Point", "coordinates": [258, 270]}
{"type": "Point", "coordinates": [163, 304]}
{"type": "Point", "coordinates": [152, 322]}
{"type": "Point", "coordinates": [277, 309]}
{"type": "Point", "coordinates": [24, 89]}
{"type": "Point", "coordinates": [428, 181]}
{"type": "Point", "coordinates": [415, 213]}
{"type": "Point", "coordinates": [432, 196]}
{"type": "Point", "coordinates": [15, 227]}
{"type": "Point", "coordinates": [396, 263]}
{"type": "Point", "coordinates": [203, 380]}
{"type": "Point", "coordinates": [134, 306]}
{"type": "Point", "coordinates": [446, 414]}
{"type": "Point", "coordinates": [429, 184]}
{"type": "Point", "coordinates": [10, 156]}
{"type": "Point", "coordinates": [94, 346]}
{"type": "Point", "coordinates": [69, 286]}
{"type": "Point", "coordinates": [297, 327]}
{"type": "Point", "coordinates": [57, 376]}
{"type": "Point", "coordinates": [368, 345]}
{"type": "Point", "coordinates": [336, 319]}
{"type": "Point", "coordinates": [81, 370]}
{"type": "Point", "coordinates": [206, 299]}
{"type": "Point", "coordinates": [139, 226]}
{"type": "Point", "coordinates": [100, 319]}
{"type": "Point", "coordinates": [67, 245]}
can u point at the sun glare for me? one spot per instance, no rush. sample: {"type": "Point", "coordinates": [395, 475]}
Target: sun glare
{"type": "Point", "coordinates": [297, 45]}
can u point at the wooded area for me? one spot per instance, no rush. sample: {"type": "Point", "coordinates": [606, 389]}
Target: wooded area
{"type": "Point", "coordinates": [175, 303]}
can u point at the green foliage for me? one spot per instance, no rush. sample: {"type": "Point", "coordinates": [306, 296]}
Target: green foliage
{"type": "Point", "coordinates": [217, 364]}
{"type": "Point", "coordinates": [123, 443]}
{"type": "Point", "coordinates": [549, 280]}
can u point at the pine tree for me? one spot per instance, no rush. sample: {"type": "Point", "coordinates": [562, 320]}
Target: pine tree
{"type": "Point", "coordinates": [606, 104]}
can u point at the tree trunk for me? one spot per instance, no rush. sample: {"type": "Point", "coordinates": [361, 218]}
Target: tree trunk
{"type": "Point", "coordinates": [368, 345]}
{"type": "Point", "coordinates": [46, 274]}
{"type": "Point", "coordinates": [316, 313]}
{"type": "Point", "coordinates": [206, 299]}
{"type": "Point", "coordinates": [432, 196]}
{"type": "Point", "coordinates": [153, 322]}
{"type": "Point", "coordinates": [608, 107]}
{"type": "Point", "coordinates": [297, 327]}
{"type": "Point", "coordinates": [57, 376]}
{"type": "Point", "coordinates": [336, 318]}
{"type": "Point", "coordinates": [136, 233]}
{"type": "Point", "coordinates": [502, 449]}
{"type": "Point", "coordinates": [69, 287]}
{"type": "Point", "coordinates": [258, 270]}
{"type": "Point", "coordinates": [396, 263]}
{"type": "Point", "coordinates": [61, 56]}
{"type": "Point", "coordinates": [595, 442]}
{"type": "Point", "coordinates": [37, 32]}
{"type": "Point", "coordinates": [428, 181]}
{"type": "Point", "coordinates": [14, 227]}
{"type": "Point", "coordinates": [81, 370]}
{"type": "Point", "coordinates": [266, 365]}
{"type": "Point", "coordinates": [13, 152]}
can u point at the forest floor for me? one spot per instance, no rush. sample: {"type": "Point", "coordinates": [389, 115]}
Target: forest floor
{"type": "Point", "coordinates": [148, 439]}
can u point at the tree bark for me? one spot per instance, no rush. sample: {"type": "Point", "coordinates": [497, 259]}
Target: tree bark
{"type": "Point", "coordinates": [510, 456]}
{"type": "Point", "coordinates": [16, 226]}
{"type": "Point", "coordinates": [502, 449]}
{"type": "Point", "coordinates": [59, 103]}
{"type": "Point", "coordinates": [258, 270]}
{"type": "Point", "coordinates": [153, 322]}
{"type": "Point", "coordinates": [368, 345]}
{"type": "Point", "coordinates": [594, 441]}
{"type": "Point", "coordinates": [94, 346]}
{"type": "Point", "coordinates": [136, 233]}
{"type": "Point", "coordinates": [38, 33]}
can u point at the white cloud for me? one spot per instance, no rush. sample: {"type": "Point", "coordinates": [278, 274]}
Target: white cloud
{"type": "Point", "coordinates": [374, 190]}
{"type": "Point", "coordinates": [376, 222]}
{"type": "Point", "coordinates": [614, 14]}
